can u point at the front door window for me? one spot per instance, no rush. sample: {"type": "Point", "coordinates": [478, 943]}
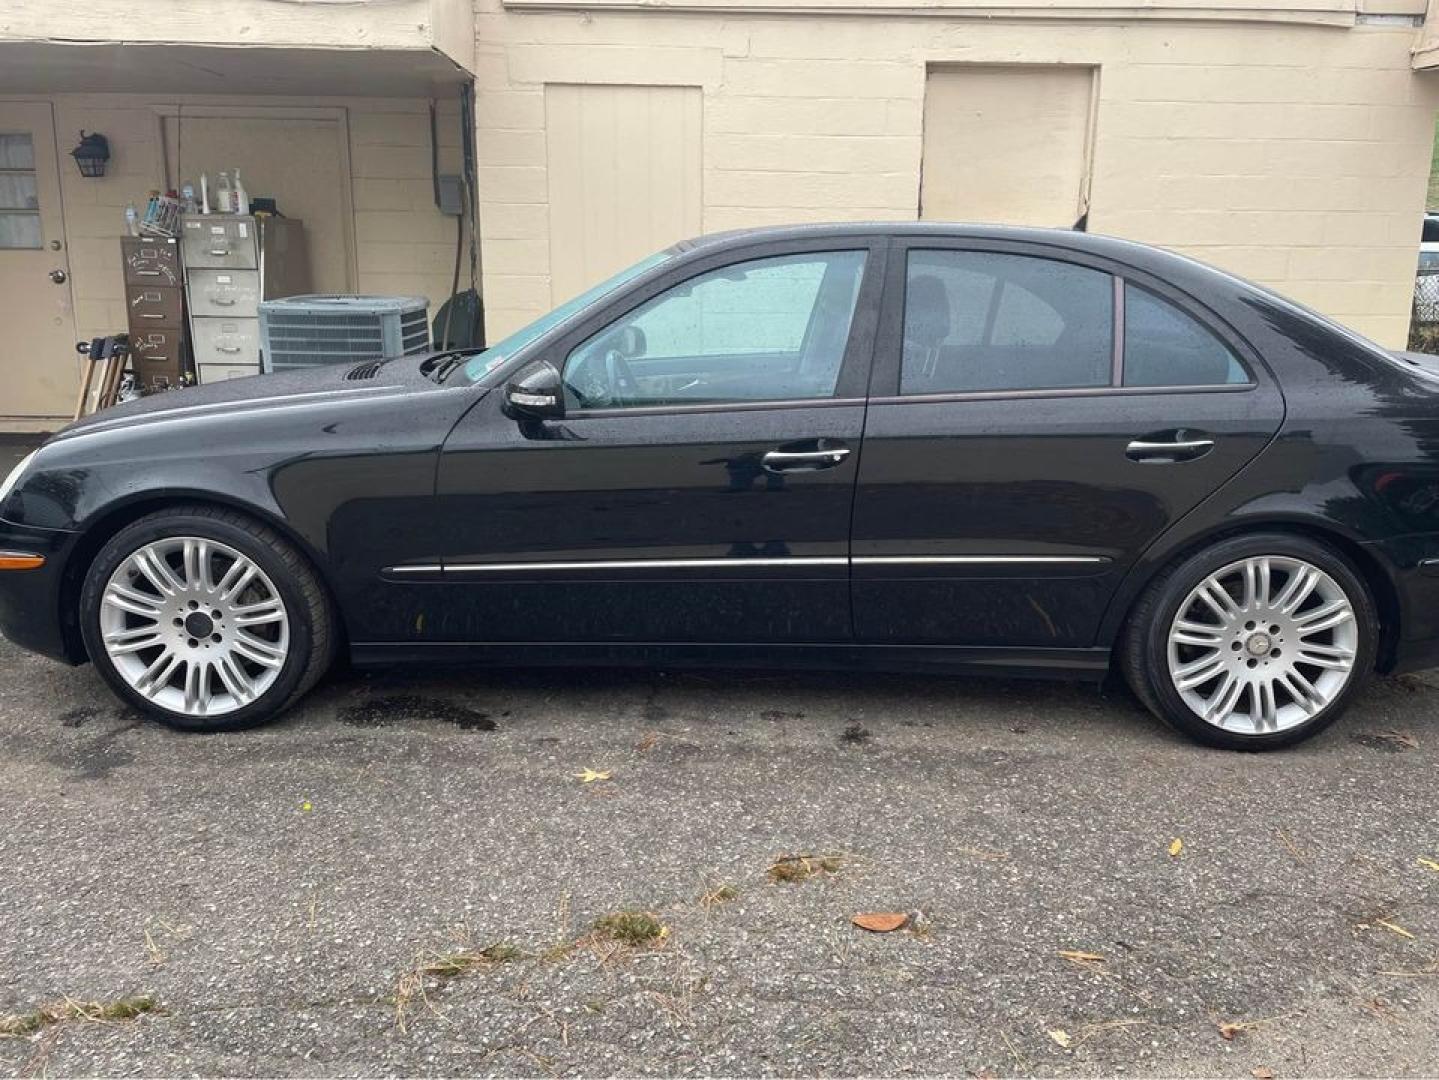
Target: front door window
{"type": "Point", "coordinates": [770, 329]}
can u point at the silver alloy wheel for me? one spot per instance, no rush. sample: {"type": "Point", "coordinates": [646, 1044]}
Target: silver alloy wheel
{"type": "Point", "coordinates": [194, 625]}
{"type": "Point", "coordinates": [1263, 644]}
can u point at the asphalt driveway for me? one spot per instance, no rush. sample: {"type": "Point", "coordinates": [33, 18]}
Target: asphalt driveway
{"type": "Point", "coordinates": [405, 875]}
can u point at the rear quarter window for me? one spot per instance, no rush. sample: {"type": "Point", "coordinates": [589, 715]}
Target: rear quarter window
{"type": "Point", "coordinates": [1164, 346]}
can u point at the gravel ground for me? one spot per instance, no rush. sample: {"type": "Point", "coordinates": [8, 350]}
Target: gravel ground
{"type": "Point", "coordinates": [276, 890]}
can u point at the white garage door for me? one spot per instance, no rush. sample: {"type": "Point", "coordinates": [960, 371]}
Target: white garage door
{"type": "Point", "coordinates": [624, 177]}
{"type": "Point", "coordinates": [1006, 144]}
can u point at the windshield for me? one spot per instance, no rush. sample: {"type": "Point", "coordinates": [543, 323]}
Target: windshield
{"type": "Point", "coordinates": [481, 364]}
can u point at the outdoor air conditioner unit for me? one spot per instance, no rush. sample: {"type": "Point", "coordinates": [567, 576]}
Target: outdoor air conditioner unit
{"type": "Point", "coordinates": [304, 331]}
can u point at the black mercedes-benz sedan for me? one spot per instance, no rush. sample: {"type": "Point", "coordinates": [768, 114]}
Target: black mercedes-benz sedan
{"type": "Point", "coordinates": [911, 447]}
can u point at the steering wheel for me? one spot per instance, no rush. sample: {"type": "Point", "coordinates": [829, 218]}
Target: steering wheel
{"type": "Point", "coordinates": [623, 389]}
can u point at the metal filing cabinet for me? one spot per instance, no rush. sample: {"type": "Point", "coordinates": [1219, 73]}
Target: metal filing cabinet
{"type": "Point", "coordinates": [155, 306]}
{"type": "Point", "coordinates": [231, 264]}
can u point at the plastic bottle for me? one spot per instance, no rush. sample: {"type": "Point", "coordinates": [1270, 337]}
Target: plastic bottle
{"type": "Point", "coordinates": [224, 194]}
{"type": "Point", "coordinates": [132, 220]}
{"type": "Point", "coordinates": [241, 196]}
{"type": "Point", "coordinates": [187, 198]}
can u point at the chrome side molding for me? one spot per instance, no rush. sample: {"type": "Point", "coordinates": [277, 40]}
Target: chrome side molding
{"type": "Point", "coordinates": [733, 563]}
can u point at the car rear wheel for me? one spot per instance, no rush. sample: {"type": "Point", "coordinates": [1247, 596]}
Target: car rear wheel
{"type": "Point", "coordinates": [1256, 643]}
{"type": "Point", "coordinates": [205, 619]}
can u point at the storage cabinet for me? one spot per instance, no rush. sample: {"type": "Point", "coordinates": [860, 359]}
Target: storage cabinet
{"type": "Point", "coordinates": [151, 262]}
{"type": "Point", "coordinates": [155, 306]}
{"type": "Point", "coordinates": [225, 342]}
{"type": "Point", "coordinates": [219, 241]}
{"type": "Point", "coordinates": [226, 294]}
{"type": "Point", "coordinates": [231, 264]}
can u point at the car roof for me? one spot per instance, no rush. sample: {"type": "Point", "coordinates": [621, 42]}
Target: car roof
{"type": "Point", "coordinates": [1200, 280]}
{"type": "Point", "coordinates": [1163, 263]}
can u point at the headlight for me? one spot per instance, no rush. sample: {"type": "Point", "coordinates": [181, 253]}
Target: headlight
{"type": "Point", "coordinates": [14, 477]}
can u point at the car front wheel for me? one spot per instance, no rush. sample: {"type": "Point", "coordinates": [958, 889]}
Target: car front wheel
{"type": "Point", "coordinates": [205, 619]}
{"type": "Point", "coordinates": [1256, 643]}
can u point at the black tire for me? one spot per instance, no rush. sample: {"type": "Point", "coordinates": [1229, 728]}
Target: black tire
{"type": "Point", "coordinates": [1143, 648]}
{"type": "Point", "coordinates": [312, 633]}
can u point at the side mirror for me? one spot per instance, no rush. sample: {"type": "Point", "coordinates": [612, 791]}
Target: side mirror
{"type": "Point", "coordinates": [535, 393]}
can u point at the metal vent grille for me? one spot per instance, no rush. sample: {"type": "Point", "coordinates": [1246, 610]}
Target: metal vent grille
{"type": "Point", "coordinates": [307, 331]}
{"type": "Point", "coordinates": [365, 371]}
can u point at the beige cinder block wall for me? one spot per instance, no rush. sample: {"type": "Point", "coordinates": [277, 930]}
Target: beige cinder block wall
{"type": "Point", "coordinates": [402, 244]}
{"type": "Point", "coordinates": [1297, 155]}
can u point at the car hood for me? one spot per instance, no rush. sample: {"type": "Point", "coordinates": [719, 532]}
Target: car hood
{"type": "Point", "coordinates": [1424, 363]}
{"type": "Point", "coordinates": [260, 392]}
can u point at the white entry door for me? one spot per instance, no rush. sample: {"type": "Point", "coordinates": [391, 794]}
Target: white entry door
{"type": "Point", "coordinates": [39, 367]}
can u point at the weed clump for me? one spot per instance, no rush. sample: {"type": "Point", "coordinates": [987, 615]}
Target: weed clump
{"type": "Point", "coordinates": [721, 894]}
{"type": "Point", "coordinates": [125, 1008]}
{"type": "Point", "coordinates": [455, 964]}
{"type": "Point", "coordinates": [636, 929]}
{"type": "Point", "coordinates": [793, 869]}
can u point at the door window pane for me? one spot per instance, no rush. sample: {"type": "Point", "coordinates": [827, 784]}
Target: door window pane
{"type": "Point", "coordinates": [762, 330]}
{"type": "Point", "coordinates": [19, 222]}
{"type": "Point", "coordinates": [976, 321]}
{"type": "Point", "coordinates": [19, 230]}
{"type": "Point", "coordinates": [16, 151]}
{"type": "Point", "coordinates": [1164, 346]}
{"type": "Point", "coordinates": [17, 191]}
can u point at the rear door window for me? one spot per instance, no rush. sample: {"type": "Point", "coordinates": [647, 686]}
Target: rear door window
{"type": "Point", "coordinates": [981, 321]}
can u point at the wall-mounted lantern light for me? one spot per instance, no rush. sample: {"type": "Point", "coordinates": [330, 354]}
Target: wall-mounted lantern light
{"type": "Point", "coordinates": [91, 154]}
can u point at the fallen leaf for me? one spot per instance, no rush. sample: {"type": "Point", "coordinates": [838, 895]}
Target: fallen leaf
{"type": "Point", "coordinates": [1060, 1036]}
{"type": "Point", "coordinates": [1394, 928]}
{"type": "Point", "coordinates": [1175, 847]}
{"type": "Point", "coordinates": [648, 742]}
{"type": "Point", "coordinates": [1078, 957]}
{"type": "Point", "coordinates": [589, 776]}
{"type": "Point", "coordinates": [1399, 738]}
{"type": "Point", "coordinates": [881, 922]}
{"type": "Point", "coordinates": [305, 807]}
{"type": "Point", "coordinates": [1232, 1028]}
{"type": "Point", "coordinates": [1430, 863]}
{"type": "Point", "coordinates": [1262, 1073]}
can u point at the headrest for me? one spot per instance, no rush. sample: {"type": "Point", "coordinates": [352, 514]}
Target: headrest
{"type": "Point", "coordinates": [926, 310]}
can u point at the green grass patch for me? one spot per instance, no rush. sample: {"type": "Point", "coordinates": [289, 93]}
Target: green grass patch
{"type": "Point", "coordinates": [125, 1008]}
{"type": "Point", "coordinates": [636, 929]}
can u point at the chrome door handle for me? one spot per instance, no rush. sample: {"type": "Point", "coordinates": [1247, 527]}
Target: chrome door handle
{"type": "Point", "coordinates": [1167, 450]}
{"type": "Point", "coordinates": [800, 460]}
